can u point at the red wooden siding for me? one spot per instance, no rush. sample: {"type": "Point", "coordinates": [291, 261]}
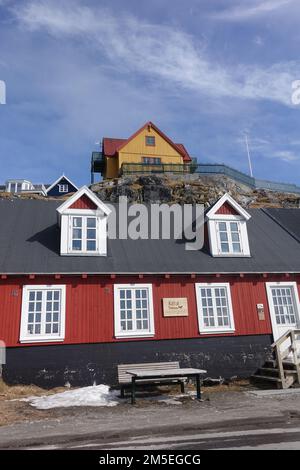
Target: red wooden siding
{"type": "Point", "coordinates": [83, 202]}
{"type": "Point", "coordinates": [227, 209]}
{"type": "Point", "coordinates": [90, 307]}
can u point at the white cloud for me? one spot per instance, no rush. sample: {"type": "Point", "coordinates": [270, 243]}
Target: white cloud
{"type": "Point", "coordinates": [258, 40]}
{"type": "Point", "coordinates": [265, 148]}
{"type": "Point", "coordinates": [159, 51]}
{"type": "Point", "coordinates": [285, 156]}
{"type": "Point", "coordinates": [258, 8]}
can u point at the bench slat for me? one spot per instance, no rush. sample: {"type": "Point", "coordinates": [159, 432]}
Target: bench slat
{"type": "Point", "coordinates": [123, 377]}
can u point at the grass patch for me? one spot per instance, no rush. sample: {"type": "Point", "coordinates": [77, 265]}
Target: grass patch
{"type": "Point", "coordinates": [10, 392]}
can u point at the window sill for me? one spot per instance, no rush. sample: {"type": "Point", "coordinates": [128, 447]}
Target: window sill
{"type": "Point", "coordinates": [145, 335]}
{"type": "Point", "coordinates": [230, 255]}
{"type": "Point", "coordinates": [41, 340]}
{"type": "Point", "coordinates": [82, 253]}
{"type": "Point", "coordinates": [215, 332]}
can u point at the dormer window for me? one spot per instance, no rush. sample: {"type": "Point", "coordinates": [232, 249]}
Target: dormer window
{"type": "Point", "coordinates": [229, 237]}
{"type": "Point", "coordinates": [83, 225]}
{"type": "Point", "coordinates": [227, 228]}
{"type": "Point", "coordinates": [84, 234]}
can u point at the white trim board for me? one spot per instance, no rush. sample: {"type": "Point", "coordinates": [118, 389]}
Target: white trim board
{"type": "Point", "coordinates": [227, 198]}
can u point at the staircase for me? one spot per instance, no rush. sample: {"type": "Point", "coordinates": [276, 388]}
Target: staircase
{"type": "Point", "coordinates": [283, 370]}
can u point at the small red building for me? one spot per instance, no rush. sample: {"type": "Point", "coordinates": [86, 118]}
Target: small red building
{"type": "Point", "coordinates": [74, 302]}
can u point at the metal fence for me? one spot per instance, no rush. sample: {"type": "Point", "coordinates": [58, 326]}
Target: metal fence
{"type": "Point", "coordinates": [210, 169]}
{"type": "Point", "coordinates": [281, 187]}
{"type": "Point", "coordinates": [220, 169]}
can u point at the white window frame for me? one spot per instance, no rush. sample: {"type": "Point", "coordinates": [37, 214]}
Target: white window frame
{"type": "Point", "coordinates": [229, 237]}
{"type": "Point", "coordinates": [101, 212]}
{"type": "Point", "coordinates": [63, 188]}
{"type": "Point", "coordinates": [117, 319]}
{"type": "Point", "coordinates": [274, 285]}
{"type": "Point", "coordinates": [84, 239]}
{"type": "Point", "coordinates": [214, 238]}
{"type": "Point", "coordinates": [25, 337]}
{"type": "Point", "coordinates": [216, 329]}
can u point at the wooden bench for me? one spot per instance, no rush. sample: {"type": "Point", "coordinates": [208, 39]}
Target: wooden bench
{"type": "Point", "coordinates": [125, 379]}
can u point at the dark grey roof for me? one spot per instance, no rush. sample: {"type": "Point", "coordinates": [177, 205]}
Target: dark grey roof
{"type": "Point", "coordinates": [30, 238]}
{"type": "Point", "coordinates": [287, 218]}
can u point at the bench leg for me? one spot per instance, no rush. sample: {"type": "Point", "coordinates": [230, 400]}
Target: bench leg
{"type": "Point", "coordinates": [122, 392]}
{"type": "Point", "coordinates": [182, 387]}
{"type": "Point", "coordinates": [133, 391]}
{"type": "Point", "coordinates": [198, 387]}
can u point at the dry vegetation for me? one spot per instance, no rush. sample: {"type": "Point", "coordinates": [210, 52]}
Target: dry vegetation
{"type": "Point", "coordinates": [14, 411]}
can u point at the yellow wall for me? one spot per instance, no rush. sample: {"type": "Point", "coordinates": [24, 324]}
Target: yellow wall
{"type": "Point", "coordinates": [112, 169]}
{"type": "Point", "coordinates": [137, 148]}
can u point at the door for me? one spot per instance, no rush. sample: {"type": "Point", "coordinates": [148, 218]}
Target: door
{"type": "Point", "coordinates": [284, 307]}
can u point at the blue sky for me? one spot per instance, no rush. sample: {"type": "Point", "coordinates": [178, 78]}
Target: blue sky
{"type": "Point", "coordinates": [203, 71]}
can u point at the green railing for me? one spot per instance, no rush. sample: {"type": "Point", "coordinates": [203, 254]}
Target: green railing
{"type": "Point", "coordinates": [198, 168]}
{"type": "Point", "coordinates": [134, 168]}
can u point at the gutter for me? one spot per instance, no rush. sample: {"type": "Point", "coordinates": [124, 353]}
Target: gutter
{"type": "Point", "coordinates": [106, 273]}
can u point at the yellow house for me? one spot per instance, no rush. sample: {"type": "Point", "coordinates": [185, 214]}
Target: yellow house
{"type": "Point", "coordinates": [147, 150]}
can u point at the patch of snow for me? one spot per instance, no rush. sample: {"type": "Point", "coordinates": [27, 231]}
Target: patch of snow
{"type": "Point", "coordinates": [95, 395]}
{"type": "Point", "coordinates": [170, 401]}
{"type": "Point", "coordinates": [273, 392]}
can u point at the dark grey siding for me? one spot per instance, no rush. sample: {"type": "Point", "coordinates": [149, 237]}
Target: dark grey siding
{"type": "Point", "coordinates": [55, 190]}
{"type": "Point", "coordinates": [85, 364]}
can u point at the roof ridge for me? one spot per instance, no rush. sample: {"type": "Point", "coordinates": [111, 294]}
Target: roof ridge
{"type": "Point", "coordinates": [289, 231]}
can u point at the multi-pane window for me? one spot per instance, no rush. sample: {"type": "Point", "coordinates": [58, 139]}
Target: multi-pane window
{"type": "Point", "coordinates": [34, 315]}
{"type": "Point", "coordinates": [133, 310]}
{"type": "Point", "coordinates": [77, 234]}
{"type": "Point", "coordinates": [52, 312]}
{"type": "Point", "coordinates": [214, 308]}
{"type": "Point", "coordinates": [284, 305]}
{"type": "Point", "coordinates": [150, 140]}
{"type": "Point", "coordinates": [151, 160]}
{"type": "Point", "coordinates": [84, 234]}
{"type": "Point", "coordinates": [63, 188]}
{"type": "Point", "coordinates": [43, 313]}
{"type": "Point", "coordinates": [229, 237]}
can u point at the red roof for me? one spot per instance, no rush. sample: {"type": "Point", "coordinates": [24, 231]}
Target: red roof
{"type": "Point", "coordinates": [186, 156]}
{"type": "Point", "coordinates": [111, 146]}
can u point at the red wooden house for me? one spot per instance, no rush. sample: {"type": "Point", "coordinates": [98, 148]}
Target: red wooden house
{"type": "Point", "coordinates": [74, 304]}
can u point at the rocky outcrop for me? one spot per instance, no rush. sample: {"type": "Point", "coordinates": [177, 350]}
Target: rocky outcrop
{"type": "Point", "coordinates": [192, 189]}
{"type": "Point", "coordinates": [202, 190]}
